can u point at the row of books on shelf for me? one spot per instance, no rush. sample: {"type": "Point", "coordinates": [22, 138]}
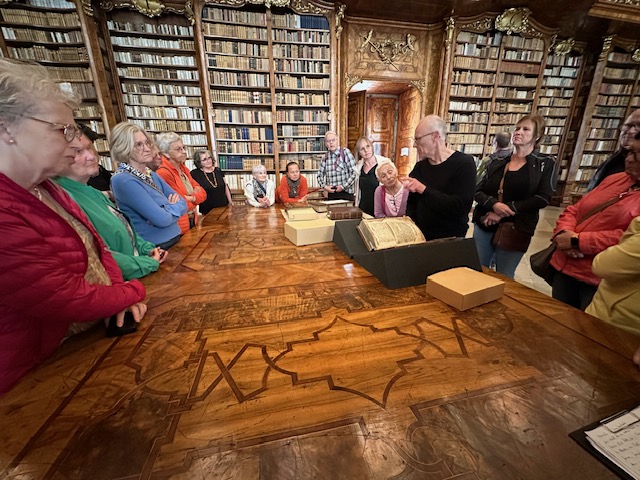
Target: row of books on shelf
{"type": "Point", "coordinates": [469, 148]}
{"type": "Point", "coordinates": [157, 125]}
{"type": "Point", "coordinates": [45, 36]}
{"type": "Point", "coordinates": [593, 159]}
{"type": "Point", "coordinates": [517, 81]}
{"type": "Point", "coordinates": [512, 107]}
{"type": "Point", "coordinates": [236, 47]}
{"type": "Point", "coordinates": [561, 71]}
{"type": "Point", "coordinates": [480, 38]}
{"type": "Point", "coordinates": [471, 90]}
{"type": "Point", "coordinates": [55, 4]}
{"type": "Point", "coordinates": [601, 145]}
{"type": "Point", "coordinates": [234, 16]}
{"type": "Point", "coordinates": [160, 88]}
{"type": "Point", "coordinates": [149, 58]}
{"type": "Point", "coordinates": [523, 55]}
{"type": "Point", "coordinates": [240, 63]}
{"type": "Point", "coordinates": [473, 77]}
{"type": "Point", "coordinates": [251, 147]}
{"type": "Point", "coordinates": [175, 113]}
{"type": "Point", "coordinates": [303, 99]}
{"type": "Point", "coordinates": [95, 125]}
{"type": "Point", "coordinates": [321, 116]}
{"type": "Point", "coordinates": [475, 63]}
{"type": "Point", "coordinates": [602, 110]}
{"type": "Point", "coordinates": [234, 162]}
{"type": "Point", "coordinates": [85, 90]}
{"type": "Point", "coordinates": [584, 175]}
{"type": "Point", "coordinates": [619, 57]}
{"type": "Point", "coordinates": [39, 18]}
{"type": "Point", "coordinates": [469, 106]}
{"type": "Point", "coordinates": [474, 117]}
{"type": "Point", "coordinates": [290, 20]}
{"type": "Point", "coordinates": [244, 133]}
{"type": "Point", "coordinates": [505, 92]}
{"type": "Point", "coordinates": [158, 73]}
{"type": "Point", "coordinates": [566, 60]}
{"type": "Point", "coordinates": [558, 82]}
{"type": "Point", "coordinates": [309, 52]}
{"type": "Point", "coordinates": [42, 53]}
{"type": "Point", "coordinates": [238, 96]}
{"type": "Point", "coordinates": [302, 145]}
{"type": "Point", "coordinates": [616, 88]}
{"type": "Point", "coordinates": [301, 36]}
{"type": "Point", "coordinates": [301, 66]}
{"type": "Point", "coordinates": [554, 102]}
{"type": "Point", "coordinates": [88, 111]}
{"type": "Point", "coordinates": [475, 50]}
{"type": "Point", "coordinates": [303, 161]}
{"type": "Point", "coordinates": [614, 100]}
{"type": "Point", "coordinates": [466, 138]}
{"type": "Point", "coordinates": [162, 28]}
{"type": "Point", "coordinates": [243, 116]}
{"type": "Point", "coordinates": [239, 79]}
{"type": "Point", "coordinates": [161, 100]}
{"type": "Point", "coordinates": [234, 31]}
{"type": "Point", "coordinates": [604, 123]}
{"type": "Point", "coordinates": [143, 42]}
{"type": "Point", "coordinates": [467, 128]}
{"type": "Point", "coordinates": [302, 130]}
{"type": "Point", "coordinates": [548, 149]}
{"type": "Point", "coordinates": [620, 73]}
{"type": "Point", "coordinates": [290, 81]}
{"type": "Point", "coordinates": [237, 181]}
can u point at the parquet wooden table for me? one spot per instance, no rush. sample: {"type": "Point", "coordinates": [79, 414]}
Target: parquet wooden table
{"type": "Point", "coordinates": [261, 360]}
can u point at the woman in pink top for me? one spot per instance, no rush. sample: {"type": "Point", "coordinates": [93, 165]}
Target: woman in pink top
{"type": "Point", "coordinates": [390, 198]}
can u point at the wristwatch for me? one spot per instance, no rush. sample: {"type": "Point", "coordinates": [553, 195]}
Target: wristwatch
{"type": "Point", "coordinates": [575, 241]}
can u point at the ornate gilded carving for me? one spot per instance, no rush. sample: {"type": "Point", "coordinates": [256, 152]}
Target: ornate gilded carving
{"type": "Point", "coordinates": [606, 47]}
{"type": "Point", "coordinates": [339, 17]}
{"type": "Point", "coordinates": [564, 47]}
{"type": "Point", "coordinates": [636, 55]}
{"type": "Point", "coordinates": [270, 3]}
{"type": "Point", "coordinates": [479, 26]}
{"type": "Point", "coordinates": [635, 3]}
{"type": "Point", "coordinates": [450, 29]}
{"type": "Point", "coordinates": [4, 2]}
{"type": "Point", "coordinates": [301, 6]}
{"type": "Point", "coordinates": [387, 49]}
{"type": "Point", "coordinates": [421, 86]}
{"type": "Point", "coordinates": [351, 80]}
{"type": "Point", "coordinates": [516, 20]}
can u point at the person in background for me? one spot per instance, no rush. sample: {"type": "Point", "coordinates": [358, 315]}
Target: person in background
{"type": "Point", "coordinates": [156, 158]}
{"type": "Point", "coordinates": [441, 183]}
{"type": "Point", "coordinates": [616, 202]}
{"type": "Point", "coordinates": [615, 163]}
{"type": "Point", "coordinates": [55, 268]}
{"type": "Point", "coordinates": [391, 197]}
{"type": "Point", "coordinates": [293, 187]}
{"type": "Point", "coordinates": [617, 299]}
{"type": "Point", "coordinates": [175, 173]}
{"type": "Point", "coordinates": [211, 178]}
{"type": "Point", "coordinates": [260, 191]}
{"type": "Point", "coordinates": [337, 172]}
{"type": "Point", "coordinates": [527, 179]}
{"type": "Point", "coordinates": [135, 256]}
{"type": "Point", "coordinates": [367, 181]}
{"type": "Point", "coordinates": [153, 207]}
{"type": "Point", "coordinates": [501, 149]}
{"type": "Point", "coordinates": [102, 179]}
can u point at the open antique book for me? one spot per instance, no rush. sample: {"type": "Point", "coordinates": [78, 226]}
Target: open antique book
{"type": "Point", "coordinates": [381, 233]}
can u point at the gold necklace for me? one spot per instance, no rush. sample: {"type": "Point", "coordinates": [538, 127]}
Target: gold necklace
{"type": "Point", "coordinates": [214, 184]}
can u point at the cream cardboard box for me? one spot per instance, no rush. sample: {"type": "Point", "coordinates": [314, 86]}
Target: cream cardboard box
{"type": "Point", "coordinates": [299, 214]}
{"type": "Point", "coordinates": [464, 288]}
{"type": "Point", "coordinates": [308, 232]}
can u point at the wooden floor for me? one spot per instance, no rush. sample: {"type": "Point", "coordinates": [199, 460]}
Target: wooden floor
{"type": "Point", "coordinates": [262, 360]}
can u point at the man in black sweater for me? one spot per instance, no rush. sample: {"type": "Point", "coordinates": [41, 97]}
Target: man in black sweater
{"type": "Point", "coordinates": [615, 163]}
{"type": "Point", "coordinates": [442, 183]}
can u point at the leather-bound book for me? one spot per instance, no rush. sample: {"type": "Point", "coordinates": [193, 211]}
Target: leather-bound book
{"type": "Point", "coordinates": [344, 213]}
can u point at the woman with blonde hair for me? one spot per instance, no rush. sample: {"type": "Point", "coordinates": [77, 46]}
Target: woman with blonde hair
{"type": "Point", "coordinates": [153, 207]}
{"type": "Point", "coordinates": [56, 270]}
{"type": "Point", "coordinates": [366, 180]}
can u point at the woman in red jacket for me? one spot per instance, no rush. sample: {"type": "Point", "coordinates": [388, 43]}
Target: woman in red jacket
{"type": "Point", "coordinates": [56, 270]}
{"type": "Point", "coordinates": [177, 175]}
{"type": "Point", "coordinates": [293, 186]}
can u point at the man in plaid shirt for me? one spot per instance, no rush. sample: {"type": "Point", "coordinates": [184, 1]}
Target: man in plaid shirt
{"type": "Point", "coordinates": [337, 173]}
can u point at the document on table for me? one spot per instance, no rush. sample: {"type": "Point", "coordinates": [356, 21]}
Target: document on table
{"type": "Point", "coordinates": [618, 438]}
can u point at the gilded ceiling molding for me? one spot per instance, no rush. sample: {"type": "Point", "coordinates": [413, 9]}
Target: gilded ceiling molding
{"type": "Point", "coordinates": [516, 20]}
{"type": "Point", "coordinates": [636, 55]}
{"type": "Point", "coordinates": [4, 2]}
{"type": "Point", "coordinates": [270, 3]}
{"type": "Point", "coordinates": [300, 6]}
{"type": "Point", "coordinates": [563, 47]}
{"type": "Point", "coordinates": [387, 49]}
{"type": "Point", "coordinates": [479, 26]}
{"type": "Point", "coordinates": [450, 29]}
{"type": "Point", "coordinates": [150, 8]}
{"type": "Point", "coordinates": [606, 48]}
{"type": "Point", "coordinates": [339, 17]}
{"type": "Point", "coordinates": [421, 86]}
{"type": "Point", "coordinates": [86, 7]}
{"type": "Point", "coordinates": [351, 80]}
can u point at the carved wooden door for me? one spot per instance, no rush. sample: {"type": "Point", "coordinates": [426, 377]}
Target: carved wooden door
{"type": "Point", "coordinates": [355, 119]}
{"type": "Point", "coordinates": [382, 114]}
{"type": "Point", "coordinates": [408, 118]}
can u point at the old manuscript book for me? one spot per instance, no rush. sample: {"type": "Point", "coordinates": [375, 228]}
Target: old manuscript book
{"type": "Point", "coordinates": [382, 233]}
{"type": "Point", "coordinates": [344, 213]}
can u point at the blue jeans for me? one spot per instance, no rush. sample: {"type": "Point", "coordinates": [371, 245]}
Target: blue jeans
{"type": "Point", "coordinates": [506, 261]}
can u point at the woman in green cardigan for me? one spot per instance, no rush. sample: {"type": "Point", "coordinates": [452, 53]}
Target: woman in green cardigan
{"type": "Point", "coordinates": [135, 256]}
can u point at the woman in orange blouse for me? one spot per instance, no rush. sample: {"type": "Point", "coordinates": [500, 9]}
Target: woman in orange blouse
{"type": "Point", "coordinates": [176, 174]}
{"type": "Point", "coordinates": [293, 187]}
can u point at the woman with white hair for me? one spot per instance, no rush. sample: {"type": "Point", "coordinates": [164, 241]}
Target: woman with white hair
{"type": "Point", "coordinates": [177, 175]}
{"type": "Point", "coordinates": [391, 197]}
{"type": "Point", "coordinates": [56, 269]}
{"type": "Point", "coordinates": [260, 191]}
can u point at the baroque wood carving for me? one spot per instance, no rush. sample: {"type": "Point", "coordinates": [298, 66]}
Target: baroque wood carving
{"type": "Point", "coordinates": [150, 8]}
{"type": "Point", "coordinates": [516, 20]}
{"type": "Point", "coordinates": [350, 81]}
{"type": "Point", "coordinates": [340, 8]}
{"type": "Point", "coordinates": [387, 49]}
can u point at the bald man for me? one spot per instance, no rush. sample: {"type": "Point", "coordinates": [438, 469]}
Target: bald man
{"type": "Point", "coordinates": [442, 183]}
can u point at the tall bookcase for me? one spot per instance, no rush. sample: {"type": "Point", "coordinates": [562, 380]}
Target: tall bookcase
{"type": "Point", "coordinates": [269, 86]}
{"type": "Point", "coordinates": [158, 80]}
{"type": "Point", "coordinates": [496, 69]}
{"type": "Point", "coordinates": [50, 33]}
{"type": "Point", "coordinates": [614, 94]}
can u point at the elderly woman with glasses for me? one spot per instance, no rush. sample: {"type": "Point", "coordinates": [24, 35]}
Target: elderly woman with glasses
{"type": "Point", "coordinates": [153, 207]}
{"type": "Point", "coordinates": [175, 173]}
{"type": "Point", "coordinates": [55, 267]}
{"type": "Point", "coordinates": [211, 178]}
{"type": "Point", "coordinates": [260, 192]}
{"type": "Point", "coordinates": [390, 198]}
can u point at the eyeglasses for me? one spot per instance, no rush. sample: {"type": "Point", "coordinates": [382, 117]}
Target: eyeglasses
{"type": "Point", "coordinates": [70, 131]}
{"type": "Point", "coordinates": [178, 149]}
{"type": "Point", "coordinates": [415, 139]}
{"type": "Point", "coordinates": [202, 159]}
{"type": "Point", "coordinates": [625, 127]}
{"type": "Point", "coordinates": [140, 145]}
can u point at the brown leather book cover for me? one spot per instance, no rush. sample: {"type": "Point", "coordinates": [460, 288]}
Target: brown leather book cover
{"type": "Point", "coordinates": [344, 213]}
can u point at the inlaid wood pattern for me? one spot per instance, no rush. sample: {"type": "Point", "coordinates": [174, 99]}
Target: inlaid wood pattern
{"type": "Point", "coordinates": [259, 359]}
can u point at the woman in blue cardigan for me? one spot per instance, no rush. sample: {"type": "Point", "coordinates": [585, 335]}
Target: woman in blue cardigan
{"type": "Point", "coordinates": [152, 206]}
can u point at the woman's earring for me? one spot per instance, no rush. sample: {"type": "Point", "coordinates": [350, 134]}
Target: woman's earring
{"type": "Point", "coordinates": [11, 140]}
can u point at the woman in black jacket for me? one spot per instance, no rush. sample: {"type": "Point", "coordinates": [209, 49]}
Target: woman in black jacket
{"type": "Point", "coordinates": [509, 195]}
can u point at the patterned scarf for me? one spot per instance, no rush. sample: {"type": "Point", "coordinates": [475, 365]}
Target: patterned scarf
{"type": "Point", "coordinates": [259, 191]}
{"type": "Point", "coordinates": [293, 187]}
{"type": "Point", "coordinates": [125, 167]}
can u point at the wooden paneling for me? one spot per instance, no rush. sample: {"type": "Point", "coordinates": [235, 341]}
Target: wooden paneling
{"type": "Point", "coordinates": [259, 359]}
{"type": "Point", "coordinates": [382, 114]}
{"type": "Point", "coordinates": [408, 118]}
{"type": "Point", "coordinates": [356, 118]}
